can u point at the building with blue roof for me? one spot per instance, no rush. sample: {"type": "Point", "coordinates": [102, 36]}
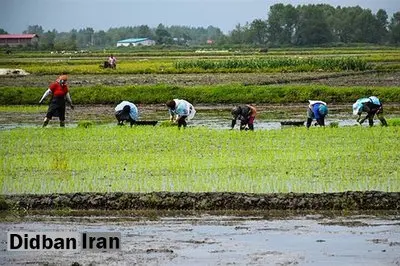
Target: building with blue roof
{"type": "Point", "coordinates": [136, 42]}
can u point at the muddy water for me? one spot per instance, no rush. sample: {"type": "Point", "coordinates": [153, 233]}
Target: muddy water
{"type": "Point", "coordinates": [208, 239]}
{"type": "Point", "coordinates": [211, 116]}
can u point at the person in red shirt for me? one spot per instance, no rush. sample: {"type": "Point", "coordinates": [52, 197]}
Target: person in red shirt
{"type": "Point", "coordinates": [59, 96]}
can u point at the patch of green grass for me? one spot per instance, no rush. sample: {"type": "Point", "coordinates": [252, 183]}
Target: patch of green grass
{"type": "Point", "coordinates": [394, 122]}
{"type": "Point", "coordinates": [23, 108]}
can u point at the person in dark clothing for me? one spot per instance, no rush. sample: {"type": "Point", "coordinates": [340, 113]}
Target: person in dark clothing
{"type": "Point", "coordinates": [316, 110]}
{"type": "Point", "coordinates": [126, 111]}
{"type": "Point", "coordinates": [371, 105]}
{"type": "Point", "coordinates": [246, 114]}
{"type": "Point", "coordinates": [59, 96]}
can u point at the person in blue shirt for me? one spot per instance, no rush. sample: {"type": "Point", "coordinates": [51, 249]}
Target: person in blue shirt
{"type": "Point", "coordinates": [371, 105]}
{"type": "Point", "coordinates": [126, 111]}
{"type": "Point", "coordinates": [316, 110]}
{"type": "Point", "coordinates": [180, 111]}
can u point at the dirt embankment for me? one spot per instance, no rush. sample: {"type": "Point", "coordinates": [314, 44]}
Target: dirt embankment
{"type": "Point", "coordinates": [365, 78]}
{"type": "Point", "coordinates": [367, 200]}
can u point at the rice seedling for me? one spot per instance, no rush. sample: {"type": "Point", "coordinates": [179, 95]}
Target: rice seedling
{"type": "Point", "coordinates": [143, 159]}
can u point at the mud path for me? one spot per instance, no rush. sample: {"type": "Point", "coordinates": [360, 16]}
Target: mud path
{"type": "Point", "coordinates": [367, 78]}
{"type": "Point", "coordinates": [208, 239]}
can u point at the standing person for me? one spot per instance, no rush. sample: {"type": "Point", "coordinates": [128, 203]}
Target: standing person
{"type": "Point", "coordinates": [246, 114]}
{"type": "Point", "coordinates": [126, 111]}
{"type": "Point", "coordinates": [371, 105]}
{"type": "Point", "coordinates": [316, 110]}
{"type": "Point", "coordinates": [112, 61]}
{"type": "Point", "coordinates": [180, 110]}
{"type": "Point", "coordinates": [59, 95]}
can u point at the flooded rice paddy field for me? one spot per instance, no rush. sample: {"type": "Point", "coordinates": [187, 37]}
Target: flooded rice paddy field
{"type": "Point", "coordinates": [250, 238]}
{"type": "Point", "coordinates": [213, 238]}
{"type": "Point", "coordinates": [269, 116]}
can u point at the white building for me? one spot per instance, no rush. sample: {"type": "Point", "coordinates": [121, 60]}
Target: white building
{"type": "Point", "coordinates": [136, 42]}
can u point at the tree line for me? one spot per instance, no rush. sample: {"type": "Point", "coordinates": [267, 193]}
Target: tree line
{"type": "Point", "coordinates": [285, 26]}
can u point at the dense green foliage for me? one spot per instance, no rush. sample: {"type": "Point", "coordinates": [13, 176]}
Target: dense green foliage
{"type": "Point", "coordinates": [232, 93]}
{"type": "Point", "coordinates": [284, 25]}
{"type": "Point", "coordinates": [141, 159]}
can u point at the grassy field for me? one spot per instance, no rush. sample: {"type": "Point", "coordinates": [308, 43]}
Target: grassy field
{"type": "Point", "coordinates": [146, 159]}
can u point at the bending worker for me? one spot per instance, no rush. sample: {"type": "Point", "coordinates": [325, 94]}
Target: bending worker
{"type": "Point", "coordinates": [60, 94]}
{"type": "Point", "coordinates": [316, 110]}
{"type": "Point", "coordinates": [126, 111]}
{"type": "Point", "coordinates": [246, 114]}
{"type": "Point", "coordinates": [180, 111]}
{"type": "Point", "coordinates": [371, 105]}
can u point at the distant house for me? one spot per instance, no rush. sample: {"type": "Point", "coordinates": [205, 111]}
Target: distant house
{"type": "Point", "coordinates": [18, 39]}
{"type": "Point", "coordinates": [136, 42]}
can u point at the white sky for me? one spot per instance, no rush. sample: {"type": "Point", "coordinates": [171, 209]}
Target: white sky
{"type": "Point", "coordinates": [65, 15]}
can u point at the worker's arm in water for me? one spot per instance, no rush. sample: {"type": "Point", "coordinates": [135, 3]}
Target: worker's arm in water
{"type": "Point", "coordinates": [171, 115]}
{"type": "Point", "coordinates": [366, 109]}
{"type": "Point", "coordinates": [47, 93]}
{"type": "Point", "coordinates": [233, 123]}
{"type": "Point", "coordinates": [69, 100]}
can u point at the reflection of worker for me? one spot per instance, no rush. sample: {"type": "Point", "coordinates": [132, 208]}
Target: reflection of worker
{"type": "Point", "coordinates": [371, 106]}
{"type": "Point", "coordinates": [60, 94]}
{"type": "Point", "coordinates": [180, 111]}
{"type": "Point", "coordinates": [316, 110]}
{"type": "Point", "coordinates": [112, 61]}
{"type": "Point", "coordinates": [246, 114]}
{"type": "Point", "coordinates": [126, 111]}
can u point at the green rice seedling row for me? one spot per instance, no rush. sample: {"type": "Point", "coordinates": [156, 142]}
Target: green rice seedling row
{"type": "Point", "coordinates": [143, 159]}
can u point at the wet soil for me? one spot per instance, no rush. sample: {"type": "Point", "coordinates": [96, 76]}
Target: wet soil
{"type": "Point", "coordinates": [365, 78]}
{"type": "Point", "coordinates": [365, 200]}
{"type": "Point", "coordinates": [269, 116]}
{"type": "Point", "coordinates": [258, 238]}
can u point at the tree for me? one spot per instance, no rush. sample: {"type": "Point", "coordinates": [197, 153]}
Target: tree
{"type": "Point", "coordinates": [162, 35]}
{"type": "Point", "coordinates": [46, 42]}
{"type": "Point", "coordinates": [382, 24]}
{"type": "Point", "coordinates": [237, 35]}
{"type": "Point", "coordinates": [258, 31]}
{"type": "Point", "coordinates": [312, 27]}
{"type": "Point", "coordinates": [85, 37]}
{"type": "Point", "coordinates": [281, 24]}
{"type": "Point", "coordinates": [144, 32]}
{"type": "Point", "coordinates": [2, 31]}
{"type": "Point", "coordinates": [394, 28]}
{"type": "Point", "coordinates": [34, 29]}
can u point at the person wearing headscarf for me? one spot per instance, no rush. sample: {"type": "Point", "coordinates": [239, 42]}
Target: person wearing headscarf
{"type": "Point", "coordinates": [112, 61]}
{"type": "Point", "coordinates": [371, 105]}
{"type": "Point", "coordinates": [316, 110]}
{"type": "Point", "coordinates": [246, 114]}
{"type": "Point", "coordinates": [126, 111]}
{"type": "Point", "coordinates": [59, 92]}
{"type": "Point", "coordinates": [180, 111]}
